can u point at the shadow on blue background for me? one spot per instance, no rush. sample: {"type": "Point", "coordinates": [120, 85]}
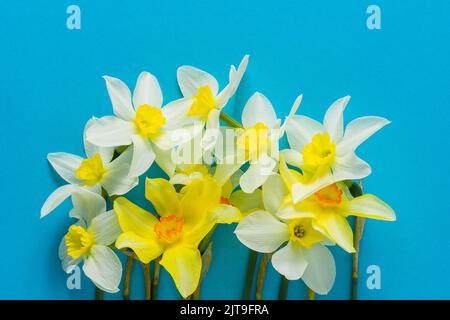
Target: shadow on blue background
{"type": "Point", "coordinates": [51, 85]}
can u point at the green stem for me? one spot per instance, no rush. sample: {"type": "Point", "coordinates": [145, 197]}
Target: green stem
{"type": "Point", "coordinates": [282, 294]}
{"type": "Point", "coordinates": [206, 240]}
{"type": "Point", "coordinates": [155, 282]}
{"type": "Point", "coordinates": [253, 256]}
{"type": "Point", "coordinates": [356, 190]}
{"type": "Point", "coordinates": [230, 121]}
{"type": "Point", "coordinates": [311, 294]}
{"type": "Point", "coordinates": [98, 294]}
{"type": "Point", "coordinates": [261, 275]}
{"type": "Point", "coordinates": [147, 280]}
{"type": "Point", "coordinates": [126, 282]}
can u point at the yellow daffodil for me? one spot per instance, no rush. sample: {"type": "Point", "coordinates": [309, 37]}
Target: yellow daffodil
{"type": "Point", "coordinates": [329, 207]}
{"type": "Point", "coordinates": [89, 239]}
{"type": "Point", "coordinates": [141, 122]}
{"type": "Point", "coordinates": [325, 153]}
{"type": "Point", "coordinates": [95, 172]}
{"type": "Point", "coordinates": [298, 249]}
{"type": "Point", "coordinates": [185, 219]}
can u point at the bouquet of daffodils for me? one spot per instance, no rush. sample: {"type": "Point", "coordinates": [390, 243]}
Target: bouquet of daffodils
{"type": "Point", "coordinates": [288, 204]}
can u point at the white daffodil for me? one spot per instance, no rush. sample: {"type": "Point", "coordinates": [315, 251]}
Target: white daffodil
{"type": "Point", "coordinates": [329, 207]}
{"type": "Point", "coordinates": [325, 153]}
{"type": "Point", "coordinates": [141, 122]}
{"type": "Point", "coordinates": [89, 241]}
{"type": "Point", "coordinates": [298, 249]}
{"type": "Point", "coordinates": [257, 144]}
{"type": "Point", "coordinates": [96, 171]}
{"type": "Point", "coordinates": [202, 102]}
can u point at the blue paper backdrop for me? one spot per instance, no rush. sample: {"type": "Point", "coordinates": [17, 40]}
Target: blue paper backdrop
{"type": "Point", "coordinates": [51, 83]}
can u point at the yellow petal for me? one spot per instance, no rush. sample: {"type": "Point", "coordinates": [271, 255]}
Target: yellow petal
{"type": "Point", "coordinates": [184, 265]}
{"type": "Point", "coordinates": [145, 248]}
{"type": "Point", "coordinates": [247, 202]}
{"type": "Point", "coordinates": [226, 214]}
{"type": "Point", "coordinates": [370, 206]}
{"type": "Point", "coordinates": [133, 218]}
{"type": "Point", "coordinates": [338, 229]}
{"type": "Point", "coordinates": [290, 177]}
{"type": "Point", "coordinates": [161, 193]}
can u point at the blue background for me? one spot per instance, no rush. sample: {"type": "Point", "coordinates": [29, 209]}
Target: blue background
{"type": "Point", "coordinates": [51, 84]}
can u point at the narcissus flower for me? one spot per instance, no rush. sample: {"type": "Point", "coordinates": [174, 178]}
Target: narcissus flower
{"type": "Point", "coordinates": [329, 207]}
{"type": "Point", "coordinates": [325, 153]}
{"type": "Point", "coordinates": [185, 219]}
{"type": "Point", "coordinates": [298, 249]}
{"type": "Point", "coordinates": [142, 123]}
{"type": "Point", "coordinates": [95, 172]}
{"type": "Point", "coordinates": [257, 144]}
{"type": "Point", "coordinates": [89, 239]}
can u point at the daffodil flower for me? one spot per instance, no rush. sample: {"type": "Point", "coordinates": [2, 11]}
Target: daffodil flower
{"type": "Point", "coordinates": [95, 172]}
{"type": "Point", "coordinates": [329, 207]}
{"type": "Point", "coordinates": [298, 249]}
{"type": "Point", "coordinates": [202, 102]}
{"type": "Point", "coordinates": [257, 144]}
{"type": "Point", "coordinates": [185, 218]}
{"type": "Point", "coordinates": [88, 241]}
{"type": "Point", "coordinates": [151, 130]}
{"type": "Point", "coordinates": [325, 153]}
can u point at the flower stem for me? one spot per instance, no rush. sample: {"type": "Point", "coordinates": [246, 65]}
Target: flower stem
{"type": "Point", "coordinates": [155, 282]}
{"type": "Point", "coordinates": [282, 294]}
{"type": "Point", "coordinates": [229, 120]}
{"type": "Point", "coordinates": [311, 294]}
{"type": "Point", "coordinates": [206, 261]}
{"type": "Point", "coordinates": [356, 190]}
{"type": "Point", "coordinates": [252, 257]}
{"type": "Point", "coordinates": [261, 275]}
{"type": "Point", "coordinates": [126, 282]}
{"type": "Point", "coordinates": [148, 281]}
{"type": "Point", "coordinates": [98, 294]}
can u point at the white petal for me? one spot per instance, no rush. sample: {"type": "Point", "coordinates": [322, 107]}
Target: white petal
{"type": "Point", "coordinates": [292, 157]}
{"type": "Point", "coordinates": [235, 77]}
{"type": "Point", "coordinates": [350, 167]}
{"type": "Point", "coordinates": [334, 120]}
{"type": "Point", "coordinates": [300, 130]}
{"type": "Point", "coordinates": [117, 180]}
{"type": "Point", "coordinates": [164, 160]}
{"type": "Point", "coordinates": [224, 172]}
{"type": "Point", "coordinates": [65, 164]}
{"type": "Point", "coordinates": [294, 109]}
{"type": "Point", "coordinates": [321, 271]}
{"type": "Point", "coordinates": [147, 91]}
{"type": "Point", "coordinates": [191, 78]}
{"type": "Point", "coordinates": [273, 191]}
{"type": "Point", "coordinates": [120, 98]}
{"type": "Point", "coordinates": [86, 205]}
{"type": "Point", "coordinates": [370, 206]}
{"type": "Point", "coordinates": [212, 131]}
{"type": "Point", "coordinates": [257, 173]}
{"type": "Point", "coordinates": [261, 232]}
{"type": "Point", "coordinates": [143, 156]}
{"type": "Point", "coordinates": [175, 113]}
{"type": "Point", "coordinates": [258, 109]}
{"type": "Point", "coordinates": [247, 202]}
{"type": "Point", "coordinates": [91, 149]}
{"type": "Point", "coordinates": [103, 267]}
{"type": "Point", "coordinates": [105, 228]}
{"type": "Point", "coordinates": [358, 131]}
{"type": "Point", "coordinates": [110, 132]}
{"type": "Point", "coordinates": [168, 139]}
{"type": "Point", "coordinates": [290, 261]}
{"type": "Point", "coordinates": [56, 198]}
{"type": "Point", "coordinates": [301, 191]}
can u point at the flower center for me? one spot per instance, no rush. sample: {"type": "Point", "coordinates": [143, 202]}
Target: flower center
{"type": "Point", "coordinates": [320, 151]}
{"type": "Point", "coordinates": [78, 241]}
{"type": "Point", "coordinates": [254, 140]}
{"type": "Point", "coordinates": [302, 232]}
{"type": "Point", "coordinates": [170, 228]}
{"type": "Point", "coordinates": [330, 196]}
{"type": "Point", "coordinates": [204, 102]}
{"type": "Point", "coordinates": [91, 170]}
{"type": "Point", "coordinates": [148, 120]}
